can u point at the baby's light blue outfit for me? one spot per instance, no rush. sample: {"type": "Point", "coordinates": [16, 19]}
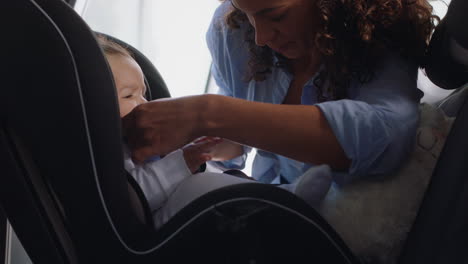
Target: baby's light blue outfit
{"type": "Point", "coordinates": [376, 126]}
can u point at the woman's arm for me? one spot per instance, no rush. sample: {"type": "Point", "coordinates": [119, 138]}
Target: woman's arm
{"type": "Point", "coordinates": [295, 131]}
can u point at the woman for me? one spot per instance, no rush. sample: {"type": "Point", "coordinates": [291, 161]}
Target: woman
{"type": "Point", "coordinates": [307, 82]}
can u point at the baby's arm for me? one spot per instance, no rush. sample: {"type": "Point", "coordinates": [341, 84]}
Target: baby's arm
{"type": "Point", "coordinates": [158, 179]}
{"type": "Point", "coordinates": [199, 152]}
{"type": "Point", "coordinates": [224, 150]}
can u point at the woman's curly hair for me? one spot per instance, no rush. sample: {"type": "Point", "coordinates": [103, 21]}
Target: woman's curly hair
{"type": "Point", "coordinates": [352, 36]}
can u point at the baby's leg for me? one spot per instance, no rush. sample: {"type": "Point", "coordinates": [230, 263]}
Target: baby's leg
{"type": "Point", "coordinates": [313, 185]}
{"type": "Point", "coordinates": [190, 189]}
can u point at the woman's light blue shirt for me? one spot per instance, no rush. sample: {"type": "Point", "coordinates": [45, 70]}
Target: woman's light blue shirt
{"type": "Point", "coordinates": [375, 127]}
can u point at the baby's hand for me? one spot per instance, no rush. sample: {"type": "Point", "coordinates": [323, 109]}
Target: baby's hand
{"type": "Point", "coordinates": [198, 152]}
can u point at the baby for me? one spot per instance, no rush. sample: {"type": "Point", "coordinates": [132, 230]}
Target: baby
{"type": "Point", "coordinates": [159, 177]}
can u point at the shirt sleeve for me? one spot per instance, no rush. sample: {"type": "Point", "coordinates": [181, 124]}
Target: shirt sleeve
{"type": "Point", "coordinates": [158, 179]}
{"type": "Point", "coordinates": [229, 60]}
{"type": "Point", "coordinates": [228, 51]}
{"type": "Point", "coordinates": [377, 127]}
{"type": "Point", "coordinates": [216, 42]}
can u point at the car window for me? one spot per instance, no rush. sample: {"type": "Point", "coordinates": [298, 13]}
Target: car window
{"type": "Point", "coordinates": [170, 33]}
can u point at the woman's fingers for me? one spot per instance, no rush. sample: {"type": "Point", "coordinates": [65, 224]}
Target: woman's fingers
{"type": "Point", "coordinates": [162, 126]}
{"type": "Point", "coordinates": [139, 155]}
{"type": "Point", "coordinates": [138, 137]}
{"type": "Point", "coordinates": [134, 132]}
{"type": "Point", "coordinates": [139, 140]}
{"type": "Point", "coordinates": [128, 124]}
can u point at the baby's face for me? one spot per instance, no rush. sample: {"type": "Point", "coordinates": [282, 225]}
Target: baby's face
{"type": "Point", "coordinates": [129, 82]}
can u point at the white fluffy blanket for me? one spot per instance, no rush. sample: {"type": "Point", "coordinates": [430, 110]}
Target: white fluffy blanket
{"type": "Point", "coordinates": [374, 216]}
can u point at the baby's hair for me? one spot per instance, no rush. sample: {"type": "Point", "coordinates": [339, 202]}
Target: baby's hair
{"type": "Point", "coordinates": [111, 47]}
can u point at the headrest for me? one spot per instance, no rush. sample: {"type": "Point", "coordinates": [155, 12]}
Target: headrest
{"type": "Point", "coordinates": [456, 21]}
{"type": "Point", "coordinates": [156, 86]}
{"type": "Point", "coordinates": [447, 61]}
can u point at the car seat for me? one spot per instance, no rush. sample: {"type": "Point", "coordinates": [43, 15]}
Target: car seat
{"type": "Point", "coordinates": [63, 186]}
{"type": "Point", "coordinates": [440, 232]}
{"type": "Point", "coordinates": [3, 232]}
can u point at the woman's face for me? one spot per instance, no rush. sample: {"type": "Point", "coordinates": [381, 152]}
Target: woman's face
{"type": "Point", "coordinates": [286, 26]}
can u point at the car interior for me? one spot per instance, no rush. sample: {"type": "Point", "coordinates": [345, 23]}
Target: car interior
{"type": "Point", "coordinates": [64, 190]}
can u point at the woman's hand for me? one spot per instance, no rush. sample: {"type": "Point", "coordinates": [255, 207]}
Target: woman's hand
{"type": "Point", "coordinates": [198, 152]}
{"type": "Point", "coordinates": [161, 126]}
